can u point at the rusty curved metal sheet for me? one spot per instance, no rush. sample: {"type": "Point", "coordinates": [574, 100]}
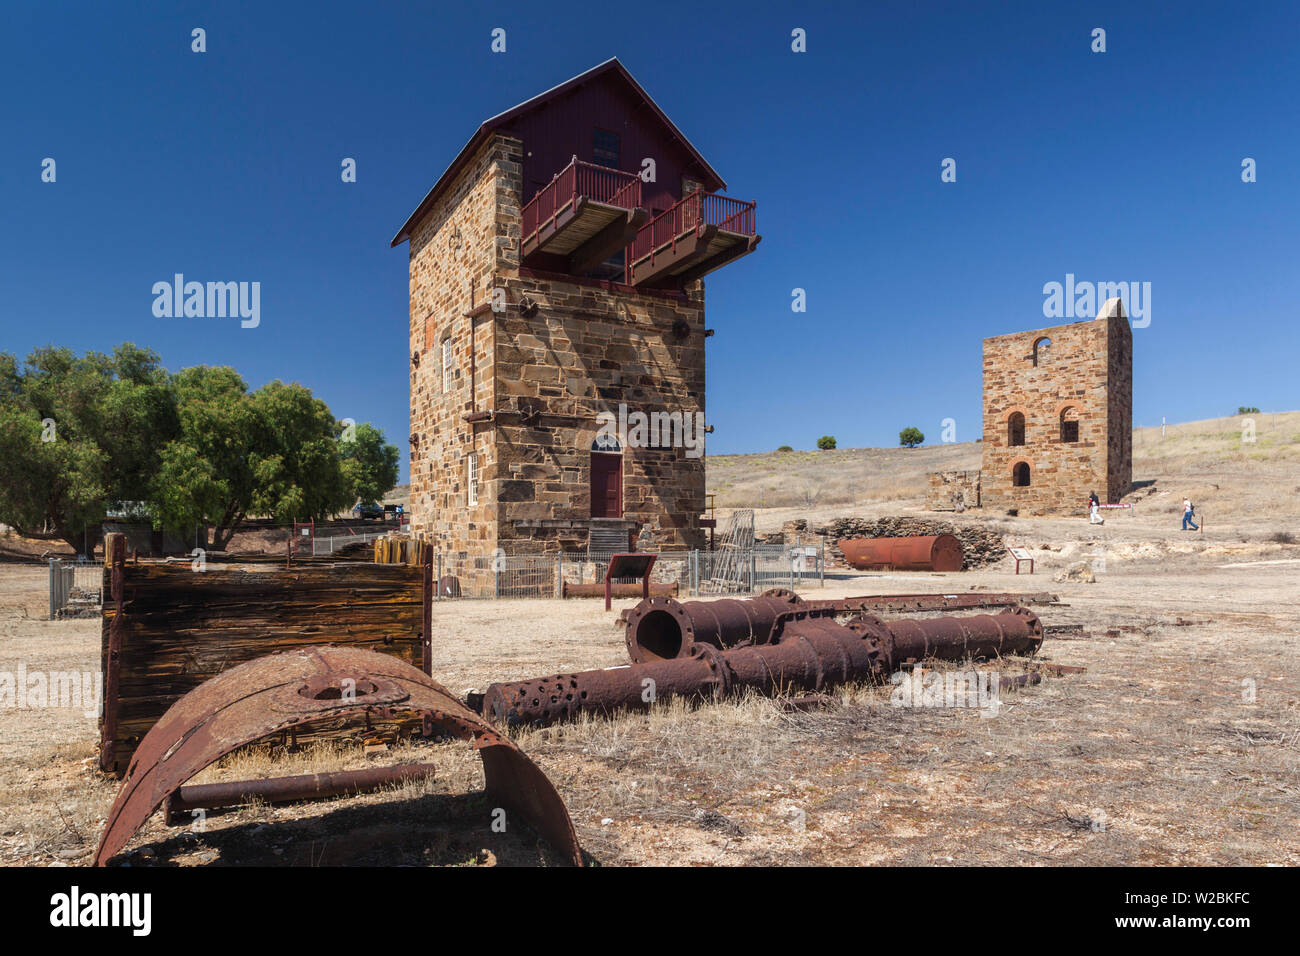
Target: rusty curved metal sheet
{"type": "Point", "coordinates": [280, 691]}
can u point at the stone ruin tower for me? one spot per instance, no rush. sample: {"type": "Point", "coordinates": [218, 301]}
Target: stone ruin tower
{"type": "Point", "coordinates": [555, 274]}
{"type": "Point", "coordinates": [1058, 415]}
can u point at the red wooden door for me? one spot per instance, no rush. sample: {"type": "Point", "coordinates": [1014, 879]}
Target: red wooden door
{"type": "Point", "coordinates": [606, 486]}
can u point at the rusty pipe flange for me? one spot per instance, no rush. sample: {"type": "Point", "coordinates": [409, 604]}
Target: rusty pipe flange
{"type": "Point", "coordinates": [783, 594]}
{"type": "Point", "coordinates": [280, 691]}
{"type": "Point", "coordinates": [661, 628]}
{"type": "Point", "coordinates": [658, 629]}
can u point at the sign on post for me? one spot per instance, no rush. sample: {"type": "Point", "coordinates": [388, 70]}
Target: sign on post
{"type": "Point", "coordinates": [628, 566]}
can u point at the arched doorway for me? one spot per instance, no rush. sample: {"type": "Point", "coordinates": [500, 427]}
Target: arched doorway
{"type": "Point", "coordinates": [606, 477]}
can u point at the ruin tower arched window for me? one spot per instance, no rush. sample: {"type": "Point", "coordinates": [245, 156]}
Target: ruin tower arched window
{"type": "Point", "coordinates": [1069, 424]}
{"type": "Point", "coordinates": [1020, 474]}
{"type": "Point", "coordinates": [1016, 429]}
{"type": "Point", "coordinates": [1042, 350]}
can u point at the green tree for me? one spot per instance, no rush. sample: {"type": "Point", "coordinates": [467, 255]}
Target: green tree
{"type": "Point", "coordinates": [785, 448]}
{"type": "Point", "coordinates": [298, 470]}
{"type": "Point", "coordinates": [826, 442]}
{"type": "Point", "coordinates": [206, 478]}
{"type": "Point", "coordinates": [1247, 410]}
{"type": "Point", "coordinates": [79, 433]}
{"type": "Point", "coordinates": [910, 437]}
{"type": "Point", "coordinates": [369, 463]}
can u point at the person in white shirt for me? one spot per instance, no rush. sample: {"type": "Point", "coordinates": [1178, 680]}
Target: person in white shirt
{"type": "Point", "coordinates": [1188, 511]}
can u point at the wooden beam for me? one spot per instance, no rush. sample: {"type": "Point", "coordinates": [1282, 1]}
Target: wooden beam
{"type": "Point", "coordinates": [730, 254]}
{"type": "Point", "coordinates": [688, 249]}
{"type": "Point", "coordinates": [615, 236]}
{"type": "Point", "coordinates": [549, 230]}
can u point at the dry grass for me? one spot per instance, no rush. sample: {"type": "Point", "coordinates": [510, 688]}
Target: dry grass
{"type": "Point", "coordinates": [1180, 745]}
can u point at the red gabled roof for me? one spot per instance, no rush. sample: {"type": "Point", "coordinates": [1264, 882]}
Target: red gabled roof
{"type": "Point", "coordinates": [612, 65]}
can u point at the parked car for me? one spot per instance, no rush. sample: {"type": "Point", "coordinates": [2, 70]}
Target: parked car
{"type": "Point", "coordinates": [368, 509]}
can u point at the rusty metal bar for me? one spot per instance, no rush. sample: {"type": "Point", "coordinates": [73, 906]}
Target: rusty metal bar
{"type": "Point", "coordinates": [807, 651]}
{"type": "Point", "coordinates": [308, 786]}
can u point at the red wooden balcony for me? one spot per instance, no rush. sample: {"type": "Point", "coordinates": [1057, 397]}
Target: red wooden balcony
{"type": "Point", "coordinates": [586, 214]}
{"type": "Point", "coordinates": [703, 231]}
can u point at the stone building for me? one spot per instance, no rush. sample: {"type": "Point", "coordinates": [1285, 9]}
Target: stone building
{"type": "Point", "coordinates": [1058, 415]}
{"type": "Point", "coordinates": [555, 275]}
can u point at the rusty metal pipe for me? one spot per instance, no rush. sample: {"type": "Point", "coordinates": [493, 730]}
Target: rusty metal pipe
{"type": "Point", "coordinates": [808, 651]}
{"type": "Point", "coordinates": [308, 786]}
{"type": "Point", "coordinates": [662, 628]}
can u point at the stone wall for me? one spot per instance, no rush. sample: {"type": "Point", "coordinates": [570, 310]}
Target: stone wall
{"type": "Point", "coordinates": [544, 355]}
{"type": "Point", "coordinates": [952, 490]}
{"type": "Point", "coordinates": [586, 350]}
{"type": "Point", "coordinates": [455, 251]}
{"type": "Point", "coordinates": [1085, 377]}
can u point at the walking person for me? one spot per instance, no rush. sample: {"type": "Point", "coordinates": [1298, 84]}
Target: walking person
{"type": "Point", "coordinates": [1188, 511]}
{"type": "Point", "coordinates": [1094, 510]}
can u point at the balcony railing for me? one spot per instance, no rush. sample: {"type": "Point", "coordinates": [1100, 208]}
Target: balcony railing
{"type": "Point", "coordinates": [600, 184]}
{"type": "Point", "coordinates": [694, 209]}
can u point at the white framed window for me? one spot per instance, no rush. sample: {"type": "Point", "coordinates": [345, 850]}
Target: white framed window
{"type": "Point", "coordinates": [471, 479]}
{"type": "Point", "coordinates": [446, 365]}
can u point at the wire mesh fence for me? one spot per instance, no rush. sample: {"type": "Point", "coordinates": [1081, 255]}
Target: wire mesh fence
{"type": "Point", "coordinates": [324, 543]}
{"type": "Point", "coordinates": [684, 573]}
{"type": "Point", "coordinates": [76, 588]}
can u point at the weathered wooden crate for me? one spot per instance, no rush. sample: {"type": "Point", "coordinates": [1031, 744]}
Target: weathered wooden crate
{"type": "Point", "coordinates": [168, 628]}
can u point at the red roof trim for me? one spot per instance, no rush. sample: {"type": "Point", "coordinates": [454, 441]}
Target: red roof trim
{"type": "Point", "coordinates": [491, 125]}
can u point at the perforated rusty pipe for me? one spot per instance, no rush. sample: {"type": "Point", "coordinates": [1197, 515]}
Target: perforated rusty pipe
{"type": "Point", "coordinates": [808, 651]}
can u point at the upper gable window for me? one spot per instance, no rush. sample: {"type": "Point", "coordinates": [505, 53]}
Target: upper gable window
{"type": "Point", "coordinates": [604, 151]}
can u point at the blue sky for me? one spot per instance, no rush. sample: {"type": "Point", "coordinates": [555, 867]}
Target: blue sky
{"type": "Point", "coordinates": [1115, 166]}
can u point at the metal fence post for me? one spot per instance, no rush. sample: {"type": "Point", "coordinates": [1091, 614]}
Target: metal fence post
{"type": "Point", "coordinates": [438, 587]}
{"type": "Point", "coordinates": [791, 556]}
{"type": "Point", "coordinates": [52, 608]}
{"type": "Point", "coordinates": [753, 568]}
{"type": "Point", "coordinates": [559, 574]}
{"type": "Point", "coordinates": [821, 561]}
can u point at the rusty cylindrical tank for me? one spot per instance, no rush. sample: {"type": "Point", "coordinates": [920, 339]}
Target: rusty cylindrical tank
{"type": "Point", "coordinates": [809, 652]}
{"type": "Point", "coordinates": [940, 552]}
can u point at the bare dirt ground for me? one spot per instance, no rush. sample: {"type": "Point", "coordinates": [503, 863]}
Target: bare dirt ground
{"type": "Point", "coordinates": [1179, 745]}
